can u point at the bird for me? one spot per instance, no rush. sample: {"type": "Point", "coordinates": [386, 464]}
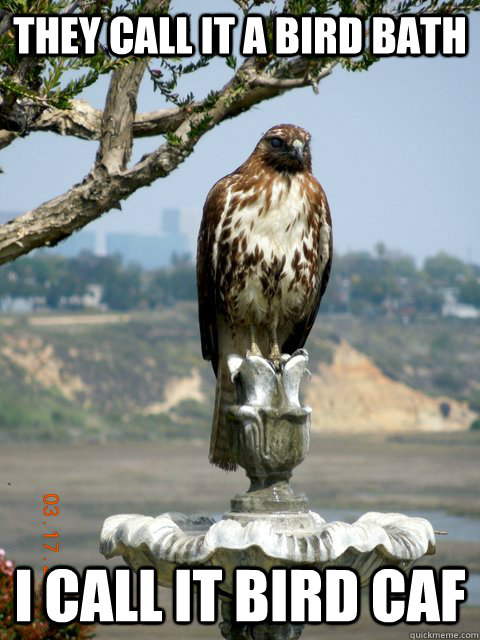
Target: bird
{"type": "Point", "coordinates": [264, 256]}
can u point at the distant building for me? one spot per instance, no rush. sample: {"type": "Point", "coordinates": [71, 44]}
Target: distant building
{"type": "Point", "coordinates": [171, 233]}
{"type": "Point", "coordinates": [20, 304]}
{"type": "Point", "coordinates": [170, 224]}
{"type": "Point", "coordinates": [143, 250]}
{"type": "Point", "coordinates": [91, 299]}
{"type": "Point", "coordinates": [151, 251]}
{"type": "Point", "coordinates": [460, 310]}
{"type": "Point", "coordinates": [75, 244]}
{"type": "Point", "coordinates": [451, 307]}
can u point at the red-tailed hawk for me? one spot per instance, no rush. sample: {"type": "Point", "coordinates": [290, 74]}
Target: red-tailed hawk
{"type": "Point", "coordinates": [263, 262]}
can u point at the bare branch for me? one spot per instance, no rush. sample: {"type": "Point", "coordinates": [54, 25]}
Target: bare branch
{"type": "Point", "coordinates": [5, 22]}
{"type": "Point", "coordinates": [243, 4]}
{"type": "Point", "coordinates": [85, 122]}
{"type": "Point", "coordinates": [155, 123]}
{"type": "Point", "coordinates": [116, 136]}
{"type": "Point", "coordinates": [247, 5]}
{"type": "Point", "coordinates": [10, 110]}
{"type": "Point", "coordinates": [81, 121]}
{"type": "Point", "coordinates": [99, 192]}
{"type": "Point", "coordinates": [121, 105]}
{"type": "Point", "coordinates": [265, 80]}
{"type": "Point", "coordinates": [303, 77]}
{"type": "Point", "coordinates": [6, 137]}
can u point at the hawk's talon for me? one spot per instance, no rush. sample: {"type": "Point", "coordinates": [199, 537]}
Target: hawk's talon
{"type": "Point", "coordinates": [275, 354]}
{"type": "Point", "coordinates": [275, 357]}
{"type": "Point", "coordinates": [255, 350]}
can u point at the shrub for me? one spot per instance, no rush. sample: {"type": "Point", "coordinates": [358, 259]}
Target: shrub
{"type": "Point", "coordinates": [474, 400]}
{"type": "Point", "coordinates": [41, 628]}
{"type": "Point", "coordinates": [475, 426]}
{"type": "Point", "coordinates": [445, 409]}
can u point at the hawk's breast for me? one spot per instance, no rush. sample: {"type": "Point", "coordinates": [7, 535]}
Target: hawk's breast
{"type": "Point", "coordinates": [270, 249]}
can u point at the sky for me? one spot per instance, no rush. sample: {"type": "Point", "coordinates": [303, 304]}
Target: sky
{"type": "Point", "coordinates": [396, 148]}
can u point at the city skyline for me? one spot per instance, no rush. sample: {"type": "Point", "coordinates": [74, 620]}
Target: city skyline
{"type": "Point", "coordinates": [96, 240]}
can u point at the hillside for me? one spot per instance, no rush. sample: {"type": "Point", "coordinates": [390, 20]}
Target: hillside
{"type": "Point", "coordinates": [353, 395]}
{"type": "Point", "coordinates": [141, 375]}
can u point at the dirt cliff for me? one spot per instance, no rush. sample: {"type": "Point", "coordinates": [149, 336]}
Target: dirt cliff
{"type": "Point", "coordinates": [353, 395]}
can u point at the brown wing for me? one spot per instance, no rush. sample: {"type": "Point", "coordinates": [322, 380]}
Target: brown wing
{"type": "Point", "coordinates": [299, 335]}
{"type": "Point", "coordinates": [207, 296]}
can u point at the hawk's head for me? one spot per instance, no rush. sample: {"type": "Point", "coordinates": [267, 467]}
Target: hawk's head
{"type": "Point", "coordinates": [285, 147]}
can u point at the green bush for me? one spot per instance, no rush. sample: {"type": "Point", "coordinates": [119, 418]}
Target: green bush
{"type": "Point", "coordinates": [475, 426]}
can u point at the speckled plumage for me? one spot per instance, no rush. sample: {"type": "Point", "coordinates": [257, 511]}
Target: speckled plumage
{"type": "Point", "coordinates": [264, 256]}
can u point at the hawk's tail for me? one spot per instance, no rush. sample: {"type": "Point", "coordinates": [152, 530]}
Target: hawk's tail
{"type": "Point", "coordinates": [220, 448]}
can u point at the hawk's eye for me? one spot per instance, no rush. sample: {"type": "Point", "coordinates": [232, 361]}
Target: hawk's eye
{"type": "Point", "coordinates": [276, 142]}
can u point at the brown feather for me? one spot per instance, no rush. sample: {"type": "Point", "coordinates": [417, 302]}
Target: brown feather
{"type": "Point", "coordinates": [207, 310]}
{"type": "Point", "coordinates": [298, 337]}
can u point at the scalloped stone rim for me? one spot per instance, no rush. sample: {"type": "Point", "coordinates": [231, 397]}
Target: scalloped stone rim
{"type": "Point", "coordinates": [376, 538]}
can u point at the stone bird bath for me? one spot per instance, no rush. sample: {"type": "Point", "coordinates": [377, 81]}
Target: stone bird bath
{"type": "Point", "coordinates": [268, 525]}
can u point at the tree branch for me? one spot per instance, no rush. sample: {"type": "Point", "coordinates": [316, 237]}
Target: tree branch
{"type": "Point", "coordinates": [84, 121]}
{"type": "Point", "coordinates": [116, 136]}
{"type": "Point", "coordinates": [5, 22]}
{"type": "Point", "coordinates": [247, 5]}
{"type": "Point", "coordinates": [6, 138]}
{"type": "Point", "coordinates": [284, 84]}
{"type": "Point", "coordinates": [110, 182]}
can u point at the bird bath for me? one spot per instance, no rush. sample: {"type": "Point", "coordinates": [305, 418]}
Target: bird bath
{"type": "Point", "coordinates": [267, 526]}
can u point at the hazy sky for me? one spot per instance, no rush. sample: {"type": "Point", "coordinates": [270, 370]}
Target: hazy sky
{"type": "Point", "coordinates": [396, 148]}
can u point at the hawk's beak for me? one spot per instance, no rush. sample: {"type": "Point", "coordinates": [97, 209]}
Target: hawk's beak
{"type": "Point", "coordinates": [298, 149]}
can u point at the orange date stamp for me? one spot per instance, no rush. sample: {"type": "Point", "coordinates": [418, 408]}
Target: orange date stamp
{"type": "Point", "coordinates": [51, 510]}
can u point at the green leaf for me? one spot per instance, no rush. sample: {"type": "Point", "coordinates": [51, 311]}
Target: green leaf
{"type": "Point", "coordinates": [231, 62]}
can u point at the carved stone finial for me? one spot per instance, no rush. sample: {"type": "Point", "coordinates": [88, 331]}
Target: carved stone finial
{"type": "Point", "coordinates": [269, 436]}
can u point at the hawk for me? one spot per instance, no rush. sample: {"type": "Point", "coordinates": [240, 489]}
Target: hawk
{"type": "Point", "coordinates": [263, 262]}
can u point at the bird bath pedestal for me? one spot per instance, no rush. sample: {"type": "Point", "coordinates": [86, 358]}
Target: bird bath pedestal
{"type": "Point", "coordinates": [268, 526]}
